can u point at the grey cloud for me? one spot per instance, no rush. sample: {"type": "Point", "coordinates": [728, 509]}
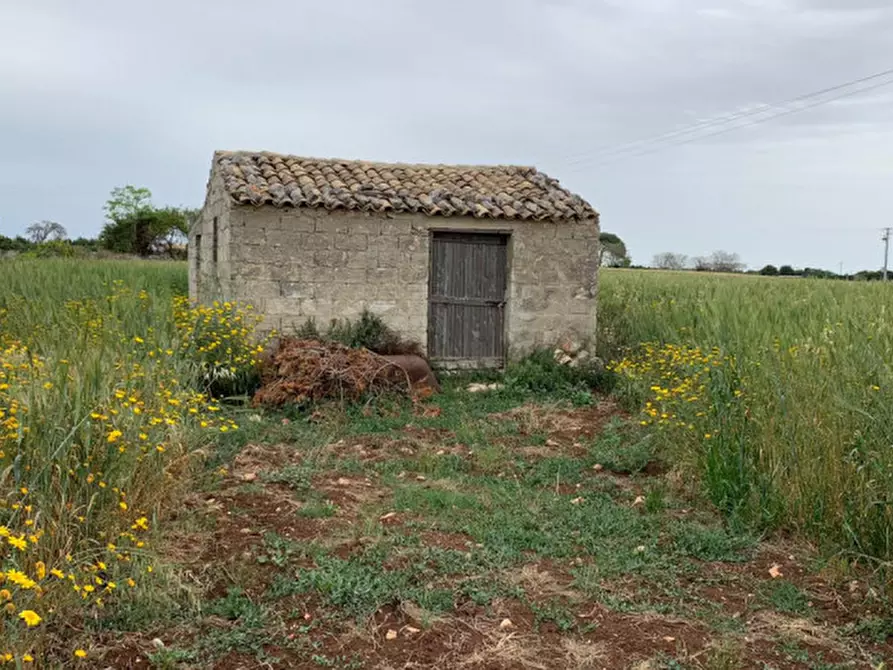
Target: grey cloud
{"type": "Point", "coordinates": [106, 94]}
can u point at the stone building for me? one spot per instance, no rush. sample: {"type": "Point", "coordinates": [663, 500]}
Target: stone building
{"type": "Point", "coordinates": [476, 263]}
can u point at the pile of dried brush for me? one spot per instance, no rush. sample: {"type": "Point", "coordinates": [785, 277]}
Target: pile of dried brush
{"type": "Point", "coordinates": [303, 370]}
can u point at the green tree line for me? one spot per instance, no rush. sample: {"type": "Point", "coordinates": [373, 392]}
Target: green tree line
{"type": "Point", "coordinates": [133, 225]}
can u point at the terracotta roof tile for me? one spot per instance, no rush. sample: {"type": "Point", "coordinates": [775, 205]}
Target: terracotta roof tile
{"type": "Point", "coordinates": [498, 191]}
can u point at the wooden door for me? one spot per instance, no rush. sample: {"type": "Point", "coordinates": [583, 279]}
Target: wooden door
{"type": "Point", "coordinates": [466, 299]}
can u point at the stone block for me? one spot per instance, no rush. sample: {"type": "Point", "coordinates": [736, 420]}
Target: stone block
{"type": "Point", "coordinates": [315, 242]}
{"type": "Point", "coordinates": [279, 237]}
{"type": "Point", "coordinates": [252, 253]}
{"type": "Point", "coordinates": [255, 289]}
{"type": "Point", "coordinates": [410, 243]}
{"type": "Point", "coordinates": [351, 275]}
{"type": "Point", "coordinates": [351, 242]}
{"type": "Point", "coordinates": [388, 257]}
{"type": "Point", "coordinates": [382, 275]}
{"type": "Point", "coordinates": [330, 258]}
{"type": "Point", "coordinates": [296, 289]}
{"type": "Point", "coordinates": [294, 221]}
{"type": "Point", "coordinates": [413, 273]}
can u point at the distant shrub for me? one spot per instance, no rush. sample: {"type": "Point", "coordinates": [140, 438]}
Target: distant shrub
{"type": "Point", "coordinates": [53, 249]}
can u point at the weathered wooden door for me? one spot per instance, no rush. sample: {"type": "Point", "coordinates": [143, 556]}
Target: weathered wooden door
{"type": "Point", "coordinates": [466, 299]}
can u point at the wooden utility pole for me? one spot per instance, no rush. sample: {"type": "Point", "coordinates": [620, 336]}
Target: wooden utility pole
{"type": "Point", "coordinates": [886, 240]}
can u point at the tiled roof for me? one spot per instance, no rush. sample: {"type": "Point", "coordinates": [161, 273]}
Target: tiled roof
{"type": "Point", "coordinates": [499, 192]}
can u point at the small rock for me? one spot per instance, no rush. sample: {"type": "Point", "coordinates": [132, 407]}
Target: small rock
{"type": "Point", "coordinates": [391, 634]}
{"type": "Point", "coordinates": [552, 443]}
{"type": "Point", "coordinates": [669, 638]}
{"type": "Point", "coordinates": [158, 644]}
{"type": "Point", "coordinates": [577, 445]}
{"type": "Point", "coordinates": [441, 452]}
{"type": "Point", "coordinates": [388, 516]}
{"type": "Point", "coordinates": [307, 616]}
{"type": "Point", "coordinates": [506, 624]}
{"type": "Point", "coordinates": [854, 586]}
{"type": "Point", "coordinates": [249, 476]}
{"type": "Point", "coordinates": [640, 500]}
{"type": "Point", "coordinates": [420, 478]}
{"type": "Point", "coordinates": [343, 481]}
{"type": "Point", "coordinates": [598, 467]}
{"type": "Point", "coordinates": [570, 346]}
{"type": "Point", "coordinates": [640, 549]}
{"type": "Point", "coordinates": [775, 571]}
{"type": "Point", "coordinates": [577, 501]}
{"type": "Point", "coordinates": [411, 630]}
{"type": "Point", "coordinates": [245, 531]}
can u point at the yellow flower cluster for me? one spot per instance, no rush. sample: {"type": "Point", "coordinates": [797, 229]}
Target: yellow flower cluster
{"type": "Point", "coordinates": [221, 335]}
{"type": "Point", "coordinates": [677, 379]}
{"type": "Point", "coordinates": [87, 447]}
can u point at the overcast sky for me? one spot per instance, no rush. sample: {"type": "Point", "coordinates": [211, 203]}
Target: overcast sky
{"type": "Point", "coordinates": [97, 94]}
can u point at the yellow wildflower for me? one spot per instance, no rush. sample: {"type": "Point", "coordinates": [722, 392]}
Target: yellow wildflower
{"type": "Point", "coordinates": [30, 617]}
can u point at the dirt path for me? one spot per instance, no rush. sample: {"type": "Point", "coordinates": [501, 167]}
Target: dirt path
{"type": "Point", "coordinates": [479, 533]}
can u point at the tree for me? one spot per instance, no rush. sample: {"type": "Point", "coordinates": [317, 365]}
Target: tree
{"type": "Point", "coordinates": [127, 201]}
{"type": "Point", "coordinates": [769, 271]}
{"type": "Point", "coordinates": [670, 261]}
{"type": "Point", "coordinates": [46, 231]}
{"type": "Point", "coordinates": [702, 264]}
{"type": "Point", "coordinates": [724, 261]}
{"type": "Point", "coordinates": [719, 261]}
{"type": "Point", "coordinates": [135, 226]}
{"type": "Point", "coordinates": [612, 251]}
{"type": "Point", "coordinates": [787, 271]}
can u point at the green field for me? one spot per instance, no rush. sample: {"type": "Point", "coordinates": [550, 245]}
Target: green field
{"type": "Point", "coordinates": [807, 443]}
{"type": "Point", "coordinates": [729, 505]}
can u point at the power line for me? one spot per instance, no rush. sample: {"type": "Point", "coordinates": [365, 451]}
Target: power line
{"type": "Point", "coordinates": [678, 137]}
{"type": "Point", "coordinates": [755, 122]}
{"type": "Point", "coordinates": [726, 118]}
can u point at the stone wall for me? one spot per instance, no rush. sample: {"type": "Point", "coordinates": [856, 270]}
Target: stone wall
{"type": "Point", "coordinates": [210, 279]}
{"type": "Point", "coordinates": [298, 263]}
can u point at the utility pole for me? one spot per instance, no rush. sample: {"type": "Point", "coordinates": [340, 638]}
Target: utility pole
{"type": "Point", "coordinates": [886, 241]}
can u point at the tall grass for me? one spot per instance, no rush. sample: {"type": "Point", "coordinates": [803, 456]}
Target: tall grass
{"type": "Point", "coordinates": [799, 414]}
{"type": "Point", "coordinates": [103, 367]}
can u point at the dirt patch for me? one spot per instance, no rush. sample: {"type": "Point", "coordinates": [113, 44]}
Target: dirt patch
{"type": "Point", "coordinates": [454, 541]}
{"type": "Point", "coordinates": [257, 459]}
{"type": "Point", "coordinates": [565, 426]}
{"type": "Point", "coordinates": [630, 637]}
{"type": "Point", "coordinates": [374, 448]}
{"type": "Point", "coordinates": [349, 493]}
{"type": "Point", "coordinates": [544, 580]}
